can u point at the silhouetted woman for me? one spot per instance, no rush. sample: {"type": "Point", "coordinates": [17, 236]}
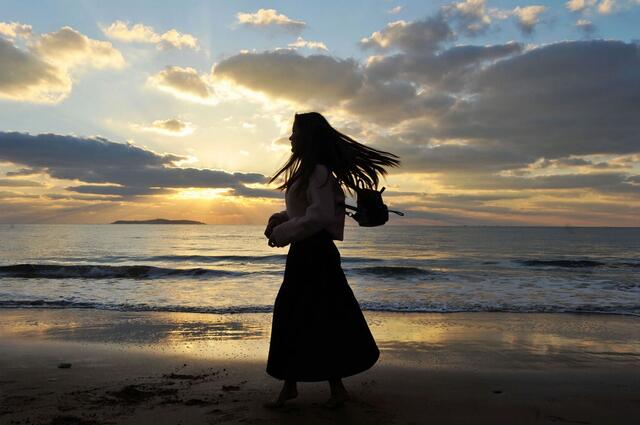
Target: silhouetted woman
{"type": "Point", "coordinates": [318, 331]}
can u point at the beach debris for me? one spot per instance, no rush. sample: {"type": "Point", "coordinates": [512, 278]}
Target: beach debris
{"type": "Point", "coordinates": [198, 402]}
{"type": "Point", "coordinates": [71, 420]}
{"type": "Point", "coordinates": [184, 376]}
{"type": "Point", "coordinates": [64, 366]}
{"type": "Point", "coordinates": [137, 394]}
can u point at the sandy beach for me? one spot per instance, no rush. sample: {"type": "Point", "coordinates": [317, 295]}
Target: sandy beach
{"type": "Point", "coordinates": [107, 367]}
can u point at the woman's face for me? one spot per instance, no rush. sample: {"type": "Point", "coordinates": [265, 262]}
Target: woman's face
{"type": "Point", "coordinates": [294, 138]}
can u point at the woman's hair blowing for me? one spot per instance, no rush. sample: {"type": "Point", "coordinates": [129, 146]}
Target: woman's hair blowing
{"type": "Point", "coordinates": [349, 160]}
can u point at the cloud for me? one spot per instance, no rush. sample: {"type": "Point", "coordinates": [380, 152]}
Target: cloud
{"type": "Point", "coordinates": [129, 169]}
{"type": "Point", "coordinates": [185, 83]}
{"type": "Point", "coordinates": [168, 127]}
{"type": "Point", "coordinates": [16, 195]}
{"type": "Point", "coordinates": [15, 30]}
{"type": "Point", "coordinates": [528, 17]}
{"type": "Point", "coordinates": [27, 78]}
{"type": "Point", "coordinates": [486, 128]}
{"type": "Point", "coordinates": [417, 36]}
{"type": "Point", "coordinates": [579, 5]}
{"type": "Point", "coordinates": [301, 42]}
{"type": "Point", "coordinates": [606, 7]}
{"type": "Point", "coordinates": [25, 172]}
{"type": "Point", "coordinates": [287, 74]}
{"type": "Point", "coordinates": [565, 85]}
{"type": "Point", "coordinates": [396, 101]}
{"type": "Point", "coordinates": [470, 16]}
{"type": "Point", "coordinates": [447, 69]}
{"type": "Point", "coordinates": [606, 182]}
{"type": "Point", "coordinates": [250, 192]}
{"type": "Point", "coordinates": [140, 33]}
{"type": "Point", "coordinates": [585, 26]}
{"type": "Point", "coordinates": [395, 10]}
{"type": "Point", "coordinates": [603, 7]}
{"type": "Point", "coordinates": [42, 73]}
{"type": "Point", "coordinates": [270, 18]}
{"type": "Point", "coordinates": [19, 183]}
{"type": "Point", "coordinates": [69, 48]}
{"type": "Point", "coordinates": [123, 191]}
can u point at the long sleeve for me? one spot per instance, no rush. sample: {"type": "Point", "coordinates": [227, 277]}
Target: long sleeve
{"type": "Point", "coordinates": [320, 212]}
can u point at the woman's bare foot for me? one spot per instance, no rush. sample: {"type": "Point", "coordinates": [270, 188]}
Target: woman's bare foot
{"type": "Point", "coordinates": [339, 395]}
{"type": "Point", "coordinates": [335, 402]}
{"type": "Point", "coordinates": [289, 391]}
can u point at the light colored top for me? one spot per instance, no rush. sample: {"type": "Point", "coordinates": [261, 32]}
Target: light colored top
{"type": "Point", "coordinates": [311, 211]}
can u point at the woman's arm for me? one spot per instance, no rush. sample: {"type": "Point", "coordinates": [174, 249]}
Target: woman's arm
{"type": "Point", "coordinates": [319, 213]}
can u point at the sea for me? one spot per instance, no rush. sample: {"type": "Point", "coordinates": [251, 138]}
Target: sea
{"type": "Point", "coordinates": [231, 268]}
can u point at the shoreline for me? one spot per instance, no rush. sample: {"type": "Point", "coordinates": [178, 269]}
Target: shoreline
{"type": "Point", "coordinates": [189, 368]}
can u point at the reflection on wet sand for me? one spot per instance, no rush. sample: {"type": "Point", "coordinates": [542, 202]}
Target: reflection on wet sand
{"type": "Point", "coordinates": [494, 340]}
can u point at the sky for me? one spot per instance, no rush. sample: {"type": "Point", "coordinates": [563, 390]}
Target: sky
{"type": "Point", "coordinates": [502, 112]}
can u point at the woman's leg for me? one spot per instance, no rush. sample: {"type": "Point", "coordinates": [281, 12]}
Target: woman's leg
{"type": "Point", "coordinates": [289, 391]}
{"type": "Point", "coordinates": [339, 393]}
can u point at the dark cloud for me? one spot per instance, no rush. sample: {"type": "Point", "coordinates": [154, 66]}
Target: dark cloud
{"type": "Point", "coordinates": [88, 198]}
{"type": "Point", "coordinates": [554, 102]}
{"type": "Point", "coordinates": [97, 160]}
{"type": "Point", "coordinates": [570, 98]}
{"type": "Point", "coordinates": [419, 156]}
{"type": "Point", "coordinates": [396, 101]}
{"type": "Point", "coordinates": [605, 182]}
{"type": "Point", "coordinates": [118, 190]}
{"type": "Point", "coordinates": [446, 70]}
{"type": "Point", "coordinates": [26, 172]}
{"type": "Point", "coordinates": [427, 34]}
{"type": "Point", "coordinates": [289, 75]}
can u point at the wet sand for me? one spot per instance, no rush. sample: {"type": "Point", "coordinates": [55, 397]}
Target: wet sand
{"type": "Point", "coordinates": [182, 368]}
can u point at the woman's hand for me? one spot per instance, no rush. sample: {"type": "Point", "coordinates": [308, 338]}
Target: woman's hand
{"type": "Point", "coordinates": [274, 243]}
{"type": "Point", "coordinates": [275, 220]}
{"type": "Point", "coordinates": [275, 240]}
{"type": "Point", "coordinates": [268, 230]}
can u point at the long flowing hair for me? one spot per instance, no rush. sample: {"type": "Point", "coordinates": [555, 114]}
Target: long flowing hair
{"type": "Point", "coordinates": [320, 143]}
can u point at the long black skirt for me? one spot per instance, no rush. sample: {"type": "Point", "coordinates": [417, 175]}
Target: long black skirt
{"type": "Point", "coordinates": [318, 331]}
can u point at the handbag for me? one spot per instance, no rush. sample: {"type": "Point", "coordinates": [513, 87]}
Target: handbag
{"type": "Point", "coordinates": [371, 210]}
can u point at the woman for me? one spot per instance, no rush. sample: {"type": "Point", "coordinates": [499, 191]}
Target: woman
{"type": "Point", "coordinates": [318, 331]}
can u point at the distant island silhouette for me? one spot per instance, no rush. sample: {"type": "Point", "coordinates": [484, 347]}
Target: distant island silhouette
{"type": "Point", "coordinates": [157, 221]}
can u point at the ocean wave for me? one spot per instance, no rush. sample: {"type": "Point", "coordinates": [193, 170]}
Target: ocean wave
{"type": "Point", "coordinates": [50, 271]}
{"type": "Point", "coordinates": [238, 258]}
{"type": "Point", "coordinates": [213, 258]}
{"type": "Point", "coordinates": [61, 304]}
{"type": "Point", "coordinates": [633, 310]}
{"type": "Point", "coordinates": [565, 263]}
{"type": "Point", "coordinates": [392, 271]}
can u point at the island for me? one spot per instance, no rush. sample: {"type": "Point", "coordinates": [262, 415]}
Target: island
{"type": "Point", "coordinates": [157, 221]}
